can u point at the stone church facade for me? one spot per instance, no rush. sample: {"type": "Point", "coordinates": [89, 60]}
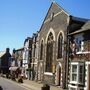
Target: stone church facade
{"type": "Point", "coordinates": [52, 47]}
{"type": "Point", "coordinates": [52, 60]}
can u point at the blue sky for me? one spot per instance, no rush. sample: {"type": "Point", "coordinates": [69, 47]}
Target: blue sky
{"type": "Point", "coordinates": [19, 19]}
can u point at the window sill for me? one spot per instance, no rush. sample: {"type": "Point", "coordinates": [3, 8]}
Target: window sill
{"type": "Point", "coordinates": [75, 82]}
{"type": "Point", "coordinates": [48, 73]}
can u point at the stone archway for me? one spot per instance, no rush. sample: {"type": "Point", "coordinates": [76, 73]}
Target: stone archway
{"type": "Point", "coordinates": [58, 75]}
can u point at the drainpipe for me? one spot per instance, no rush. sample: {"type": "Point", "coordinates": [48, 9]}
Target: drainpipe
{"type": "Point", "coordinates": [67, 53]}
{"type": "Point", "coordinates": [67, 61]}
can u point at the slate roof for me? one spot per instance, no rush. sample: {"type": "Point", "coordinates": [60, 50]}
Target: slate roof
{"type": "Point", "coordinates": [85, 27]}
{"type": "Point", "coordinates": [2, 53]}
{"type": "Point", "coordinates": [79, 19]}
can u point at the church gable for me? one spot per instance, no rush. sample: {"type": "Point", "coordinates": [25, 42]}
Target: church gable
{"type": "Point", "coordinates": [56, 17]}
{"type": "Point", "coordinates": [54, 10]}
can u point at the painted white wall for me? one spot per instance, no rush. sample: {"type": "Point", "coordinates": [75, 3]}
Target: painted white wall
{"type": "Point", "coordinates": [86, 73]}
{"type": "Point", "coordinates": [25, 58]}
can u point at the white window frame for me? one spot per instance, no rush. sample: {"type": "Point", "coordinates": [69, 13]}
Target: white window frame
{"type": "Point", "coordinates": [48, 73]}
{"type": "Point", "coordinates": [75, 87]}
{"type": "Point", "coordinates": [75, 82]}
{"type": "Point", "coordinates": [81, 82]}
{"type": "Point", "coordinates": [78, 67]}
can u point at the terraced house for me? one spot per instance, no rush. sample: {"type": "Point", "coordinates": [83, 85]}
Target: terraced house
{"type": "Point", "coordinates": [27, 56]}
{"type": "Point", "coordinates": [79, 55]}
{"type": "Point", "coordinates": [35, 55]}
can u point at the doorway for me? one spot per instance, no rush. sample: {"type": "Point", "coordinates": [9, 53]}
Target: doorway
{"type": "Point", "coordinates": [58, 75]}
{"type": "Point", "coordinates": [89, 77]}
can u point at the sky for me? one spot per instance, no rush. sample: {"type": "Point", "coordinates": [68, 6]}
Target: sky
{"type": "Point", "coordinates": [19, 19]}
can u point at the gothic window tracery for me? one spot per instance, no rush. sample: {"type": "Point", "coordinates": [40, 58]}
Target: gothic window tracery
{"type": "Point", "coordinates": [41, 52]}
{"type": "Point", "coordinates": [60, 46]}
{"type": "Point", "coordinates": [49, 53]}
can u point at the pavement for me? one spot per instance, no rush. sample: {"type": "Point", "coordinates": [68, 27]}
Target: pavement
{"type": "Point", "coordinates": [33, 85]}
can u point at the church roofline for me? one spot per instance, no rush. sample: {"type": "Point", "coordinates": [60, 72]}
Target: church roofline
{"type": "Point", "coordinates": [53, 2]}
{"type": "Point", "coordinates": [61, 8]}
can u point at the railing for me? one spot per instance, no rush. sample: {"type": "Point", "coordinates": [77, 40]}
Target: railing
{"type": "Point", "coordinates": [87, 45]}
{"type": "Point", "coordinates": [81, 52]}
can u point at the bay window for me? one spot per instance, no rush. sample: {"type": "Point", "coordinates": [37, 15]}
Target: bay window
{"type": "Point", "coordinates": [74, 72]}
{"type": "Point", "coordinates": [81, 73]}
{"type": "Point", "coordinates": [77, 73]}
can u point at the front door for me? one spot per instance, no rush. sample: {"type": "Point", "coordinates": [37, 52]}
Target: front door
{"type": "Point", "coordinates": [59, 76]}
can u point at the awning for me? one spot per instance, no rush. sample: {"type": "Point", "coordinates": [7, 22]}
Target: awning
{"type": "Point", "coordinates": [13, 68]}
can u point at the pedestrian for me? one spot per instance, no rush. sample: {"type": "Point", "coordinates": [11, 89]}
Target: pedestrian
{"type": "Point", "coordinates": [1, 88]}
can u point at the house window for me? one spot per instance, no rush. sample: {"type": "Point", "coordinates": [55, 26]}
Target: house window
{"type": "Point", "coordinates": [34, 49]}
{"type": "Point", "coordinates": [49, 53]}
{"type": "Point", "coordinates": [77, 73]}
{"type": "Point", "coordinates": [78, 40]}
{"type": "Point", "coordinates": [74, 72]}
{"type": "Point", "coordinates": [60, 45]}
{"type": "Point", "coordinates": [41, 52]}
{"type": "Point", "coordinates": [81, 69]}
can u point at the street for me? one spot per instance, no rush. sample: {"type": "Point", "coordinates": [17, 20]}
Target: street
{"type": "Point", "coordinates": [7, 84]}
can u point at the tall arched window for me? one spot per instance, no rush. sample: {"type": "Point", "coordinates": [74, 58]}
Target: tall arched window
{"type": "Point", "coordinates": [41, 52]}
{"type": "Point", "coordinates": [60, 46]}
{"type": "Point", "coordinates": [49, 53]}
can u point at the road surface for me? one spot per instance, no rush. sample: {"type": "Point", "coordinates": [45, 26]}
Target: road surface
{"type": "Point", "coordinates": [7, 84]}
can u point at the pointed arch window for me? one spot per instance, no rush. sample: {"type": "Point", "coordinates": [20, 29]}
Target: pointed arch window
{"type": "Point", "coordinates": [60, 46]}
{"type": "Point", "coordinates": [41, 52]}
{"type": "Point", "coordinates": [49, 53]}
